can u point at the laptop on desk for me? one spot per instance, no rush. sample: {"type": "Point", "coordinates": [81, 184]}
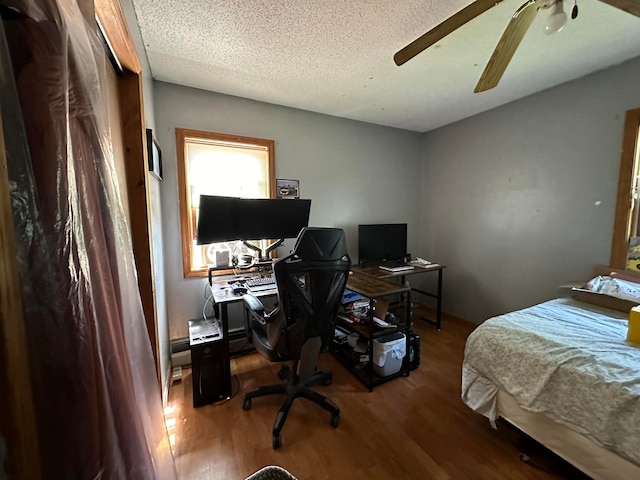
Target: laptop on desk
{"type": "Point", "coordinates": [395, 266]}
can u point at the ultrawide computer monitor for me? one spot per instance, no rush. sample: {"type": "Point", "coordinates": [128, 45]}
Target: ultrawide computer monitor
{"type": "Point", "coordinates": [223, 219]}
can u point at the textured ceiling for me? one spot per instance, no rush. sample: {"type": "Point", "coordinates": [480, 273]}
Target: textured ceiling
{"type": "Point", "coordinates": [336, 56]}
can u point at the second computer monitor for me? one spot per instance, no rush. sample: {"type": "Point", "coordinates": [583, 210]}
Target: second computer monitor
{"type": "Point", "coordinates": [382, 242]}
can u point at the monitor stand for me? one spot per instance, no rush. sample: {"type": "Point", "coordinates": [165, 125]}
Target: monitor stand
{"type": "Point", "coordinates": [264, 256]}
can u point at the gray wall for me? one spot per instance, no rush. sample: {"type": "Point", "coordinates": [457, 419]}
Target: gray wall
{"type": "Point", "coordinates": [520, 199]}
{"type": "Point", "coordinates": [515, 201]}
{"type": "Point", "coordinates": [354, 172]}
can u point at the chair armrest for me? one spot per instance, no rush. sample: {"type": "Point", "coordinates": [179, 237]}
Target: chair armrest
{"type": "Point", "coordinates": [253, 304]}
{"type": "Point", "coordinates": [256, 309]}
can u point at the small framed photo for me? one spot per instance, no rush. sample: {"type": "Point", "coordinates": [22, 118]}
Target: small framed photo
{"type": "Point", "coordinates": [287, 188]}
{"type": "Point", "coordinates": [633, 255]}
{"type": "Point", "coordinates": [155, 155]}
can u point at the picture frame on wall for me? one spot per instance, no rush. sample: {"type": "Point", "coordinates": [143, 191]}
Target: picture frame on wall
{"type": "Point", "coordinates": [154, 154]}
{"type": "Point", "coordinates": [633, 255]}
{"type": "Point", "coordinates": [287, 188]}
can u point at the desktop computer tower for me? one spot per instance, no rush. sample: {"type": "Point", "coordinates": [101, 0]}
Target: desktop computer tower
{"type": "Point", "coordinates": [210, 370]}
{"type": "Point", "coordinates": [412, 359]}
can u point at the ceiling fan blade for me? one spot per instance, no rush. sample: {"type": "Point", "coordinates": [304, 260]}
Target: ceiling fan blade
{"type": "Point", "coordinates": [511, 38]}
{"type": "Point", "coordinates": [443, 29]}
{"type": "Point", "coordinates": [629, 6]}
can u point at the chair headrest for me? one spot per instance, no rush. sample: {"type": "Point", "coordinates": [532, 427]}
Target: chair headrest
{"type": "Point", "coordinates": [314, 243]}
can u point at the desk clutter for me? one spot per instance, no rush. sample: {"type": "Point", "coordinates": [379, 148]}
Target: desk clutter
{"type": "Point", "coordinates": [357, 309]}
{"type": "Point", "coordinates": [204, 330]}
{"type": "Point", "coordinates": [242, 285]}
{"type": "Point", "coordinates": [389, 351]}
{"type": "Point", "coordinates": [372, 332]}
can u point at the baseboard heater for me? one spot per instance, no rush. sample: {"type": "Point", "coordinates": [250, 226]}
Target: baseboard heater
{"type": "Point", "coordinates": [180, 353]}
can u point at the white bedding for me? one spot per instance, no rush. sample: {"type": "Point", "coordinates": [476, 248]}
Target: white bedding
{"type": "Point", "coordinates": [565, 359]}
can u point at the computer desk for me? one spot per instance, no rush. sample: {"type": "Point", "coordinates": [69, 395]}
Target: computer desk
{"type": "Point", "coordinates": [376, 272]}
{"type": "Point", "coordinates": [223, 292]}
{"type": "Point", "coordinates": [223, 295]}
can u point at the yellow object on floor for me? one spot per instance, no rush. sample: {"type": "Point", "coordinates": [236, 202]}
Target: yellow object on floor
{"type": "Point", "coordinates": [633, 334]}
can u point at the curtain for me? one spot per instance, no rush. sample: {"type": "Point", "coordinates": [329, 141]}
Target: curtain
{"type": "Point", "coordinates": [96, 395]}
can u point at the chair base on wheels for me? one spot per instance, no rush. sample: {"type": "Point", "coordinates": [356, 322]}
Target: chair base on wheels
{"type": "Point", "coordinates": [293, 389]}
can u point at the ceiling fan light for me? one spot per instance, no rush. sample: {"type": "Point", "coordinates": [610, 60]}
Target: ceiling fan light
{"type": "Point", "coordinates": [557, 19]}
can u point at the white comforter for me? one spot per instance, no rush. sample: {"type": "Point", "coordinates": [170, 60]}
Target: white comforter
{"type": "Point", "coordinates": [566, 359]}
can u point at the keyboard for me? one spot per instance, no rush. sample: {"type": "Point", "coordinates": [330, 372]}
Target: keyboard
{"type": "Point", "coordinates": [260, 284]}
{"type": "Point", "coordinates": [265, 280]}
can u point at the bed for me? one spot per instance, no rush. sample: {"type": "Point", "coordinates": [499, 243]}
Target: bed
{"type": "Point", "coordinates": [562, 372]}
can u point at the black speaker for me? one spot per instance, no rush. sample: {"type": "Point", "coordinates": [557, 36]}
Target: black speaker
{"type": "Point", "coordinates": [210, 370]}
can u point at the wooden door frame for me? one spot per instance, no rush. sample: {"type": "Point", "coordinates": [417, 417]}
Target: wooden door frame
{"type": "Point", "coordinates": [622, 219]}
{"type": "Point", "coordinates": [17, 422]}
{"type": "Point", "coordinates": [113, 24]}
{"type": "Point", "coordinates": [135, 151]}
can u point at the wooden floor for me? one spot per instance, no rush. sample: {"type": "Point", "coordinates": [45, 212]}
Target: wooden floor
{"type": "Point", "coordinates": [413, 427]}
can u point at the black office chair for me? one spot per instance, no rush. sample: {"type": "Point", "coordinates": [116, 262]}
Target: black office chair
{"type": "Point", "coordinates": [310, 282]}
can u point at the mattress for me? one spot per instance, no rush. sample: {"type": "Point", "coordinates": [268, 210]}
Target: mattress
{"type": "Point", "coordinates": [566, 360]}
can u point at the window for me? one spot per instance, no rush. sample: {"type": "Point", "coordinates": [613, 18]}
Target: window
{"type": "Point", "coordinates": [626, 221]}
{"type": "Point", "coordinates": [218, 164]}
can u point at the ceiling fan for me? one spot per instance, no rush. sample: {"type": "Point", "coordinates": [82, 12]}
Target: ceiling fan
{"type": "Point", "coordinates": [512, 36]}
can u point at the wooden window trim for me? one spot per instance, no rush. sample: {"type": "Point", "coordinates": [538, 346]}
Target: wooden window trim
{"type": "Point", "coordinates": [186, 225]}
{"type": "Point", "coordinates": [622, 219]}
